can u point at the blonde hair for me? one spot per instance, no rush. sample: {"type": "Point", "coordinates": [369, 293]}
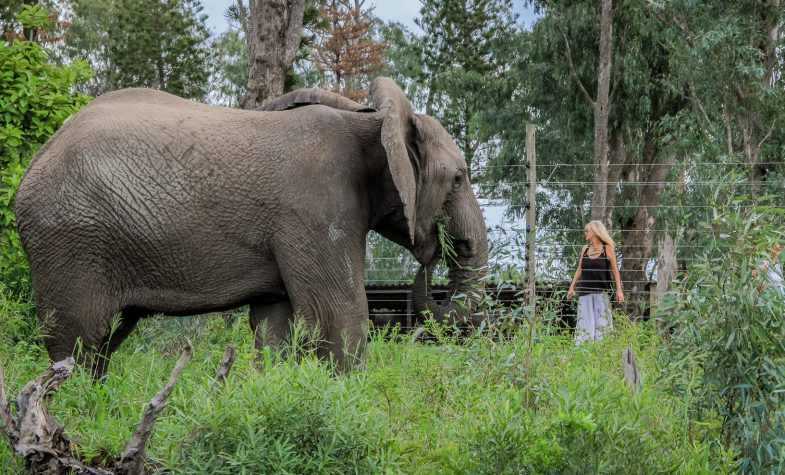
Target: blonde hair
{"type": "Point", "coordinates": [599, 230]}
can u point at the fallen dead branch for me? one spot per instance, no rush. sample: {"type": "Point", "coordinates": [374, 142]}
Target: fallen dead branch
{"type": "Point", "coordinates": [41, 441]}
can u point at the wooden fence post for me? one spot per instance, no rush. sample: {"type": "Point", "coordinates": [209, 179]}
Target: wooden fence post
{"type": "Point", "coordinates": [531, 212]}
{"type": "Point", "coordinates": [629, 367]}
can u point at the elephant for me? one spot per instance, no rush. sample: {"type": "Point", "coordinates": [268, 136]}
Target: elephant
{"type": "Point", "coordinates": [145, 203]}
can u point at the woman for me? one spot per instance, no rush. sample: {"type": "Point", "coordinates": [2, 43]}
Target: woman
{"type": "Point", "coordinates": [596, 268]}
{"type": "Point", "coordinates": [772, 269]}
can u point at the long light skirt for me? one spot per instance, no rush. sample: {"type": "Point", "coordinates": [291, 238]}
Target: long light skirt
{"type": "Point", "coordinates": [594, 317]}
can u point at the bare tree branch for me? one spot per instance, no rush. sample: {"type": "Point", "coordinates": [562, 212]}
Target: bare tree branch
{"type": "Point", "coordinates": [36, 436]}
{"type": "Point", "coordinates": [41, 440]}
{"type": "Point", "coordinates": [573, 73]}
{"type": "Point", "coordinates": [242, 13]}
{"type": "Point", "coordinates": [765, 137]}
{"type": "Point", "coordinates": [133, 457]}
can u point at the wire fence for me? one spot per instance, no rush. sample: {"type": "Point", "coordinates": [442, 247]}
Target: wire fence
{"type": "Point", "coordinates": [557, 246]}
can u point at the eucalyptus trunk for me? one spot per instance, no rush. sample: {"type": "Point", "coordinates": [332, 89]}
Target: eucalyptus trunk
{"type": "Point", "coordinates": [617, 160]}
{"type": "Point", "coordinates": [599, 198]}
{"type": "Point", "coordinates": [273, 31]}
{"type": "Point", "coordinates": [638, 232]}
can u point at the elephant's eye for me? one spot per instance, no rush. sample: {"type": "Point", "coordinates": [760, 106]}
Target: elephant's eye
{"type": "Point", "coordinates": [456, 182]}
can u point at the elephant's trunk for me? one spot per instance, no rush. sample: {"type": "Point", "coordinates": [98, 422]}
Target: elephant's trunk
{"type": "Point", "coordinates": [466, 285]}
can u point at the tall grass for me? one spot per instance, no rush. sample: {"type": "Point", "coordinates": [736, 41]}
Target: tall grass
{"type": "Point", "coordinates": [468, 405]}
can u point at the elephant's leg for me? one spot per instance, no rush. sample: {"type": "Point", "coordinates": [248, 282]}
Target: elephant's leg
{"type": "Point", "coordinates": [346, 339]}
{"type": "Point", "coordinates": [76, 321]}
{"type": "Point", "coordinates": [326, 288]}
{"type": "Point", "coordinates": [271, 324]}
{"type": "Point", "coordinates": [126, 324]}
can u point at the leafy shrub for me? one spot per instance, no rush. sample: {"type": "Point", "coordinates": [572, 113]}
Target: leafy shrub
{"type": "Point", "coordinates": [729, 336]}
{"type": "Point", "coordinates": [294, 419]}
{"type": "Point", "coordinates": [17, 328]}
{"type": "Point", "coordinates": [494, 403]}
{"type": "Point", "coordinates": [38, 97]}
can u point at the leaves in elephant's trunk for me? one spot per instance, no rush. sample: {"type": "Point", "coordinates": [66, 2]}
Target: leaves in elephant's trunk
{"type": "Point", "coordinates": [446, 241]}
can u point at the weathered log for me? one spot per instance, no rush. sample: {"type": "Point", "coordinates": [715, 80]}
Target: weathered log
{"type": "Point", "coordinates": [10, 428]}
{"type": "Point", "coordinates": [37, 437]}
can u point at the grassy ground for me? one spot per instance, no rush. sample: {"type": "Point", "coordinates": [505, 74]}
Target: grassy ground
{"type": "Point", "coordinates": [489, 404]}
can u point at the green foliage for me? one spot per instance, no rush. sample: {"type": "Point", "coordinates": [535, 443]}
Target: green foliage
{"type": "Point", "coordinates": [18, 331]}
{"type": "Point", "coordinates": [162, 45]}
{"type": "Point", "coordinates": [10, 10]}
{"type": "Point", "coordinates": [295, 420]}
{"type": "Point", "coordinates": [230, 74]}
{"type": "Point", "coordinates": [728, 323]}
{"type": "Point", "coordinates": [148, 43]}
{"type": "Point", "coordinates": [403, 61]}
{"type": "Point", "coordinates": [445, 240]}
{"type": "Point", "coordinates": [38, 97]}
{"type": "Point", "coordinates": [460, 65]}
{"type": "Point", "coordinates": [469, 405]}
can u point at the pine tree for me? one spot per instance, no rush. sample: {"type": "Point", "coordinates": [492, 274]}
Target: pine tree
{"type": "Point", "coordinates": [345, 53]}
{"type": "Point", "coordinates": [159, 44]}
{"type": "Point", "coordinates": [460, 64]}
{"type": "Point", "coordinates": [162, 44]}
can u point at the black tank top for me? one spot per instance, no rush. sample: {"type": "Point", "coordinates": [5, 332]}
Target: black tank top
{"type": "Point", "coordinates": [595, 274]}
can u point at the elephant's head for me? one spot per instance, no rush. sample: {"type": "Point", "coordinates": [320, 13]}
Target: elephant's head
{"type": "Point", "coordinates": [431, 184]}
{"type": "Point", "coordinates": [432, 180]}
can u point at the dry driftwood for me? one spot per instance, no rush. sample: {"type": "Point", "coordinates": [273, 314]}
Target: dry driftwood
{"type": "Point", "coordinates": [41, 440]}
{"type": "Point", "coordinates": [35, 435]}
{"type": "Point", "coordinates": [133, 457]}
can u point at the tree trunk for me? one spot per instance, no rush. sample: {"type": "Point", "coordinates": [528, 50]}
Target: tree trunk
{"type": "Point", "coordinates": [599, 201]}
{"type": "Point", "coordinates": [615, 168]}
{"type": "Point", "coordinates": [752, 121]}
{"type": "Point", "coordinates": [638, 232]}
{"type": "Point", "coordinates": [274, 33]}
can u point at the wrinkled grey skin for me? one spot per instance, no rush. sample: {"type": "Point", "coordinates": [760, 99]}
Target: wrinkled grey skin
{"type": "Point", "coordinates": [146, 203]}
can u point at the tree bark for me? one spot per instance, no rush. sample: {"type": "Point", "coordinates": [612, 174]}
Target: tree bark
{"type": "Point", "coordinates": [599, 201]}
{"type": "Point", "coordinates": [638, 232]}
{"type": "Point", "coordinates": [274, 34]}
{"type": "Point", "coordinates": [751, 121]}
{"type": "Point", "coordinates": [615, 168]}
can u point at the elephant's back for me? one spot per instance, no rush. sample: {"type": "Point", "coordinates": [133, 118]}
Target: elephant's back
{"type": "Point", "coordinates": [133, 137]}
{"type": "Point", "coordinates": [137, 160]}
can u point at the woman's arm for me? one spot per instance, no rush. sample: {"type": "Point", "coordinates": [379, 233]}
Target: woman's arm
{"type": "Point", "coordinates": [611, 252]}
{"type": "Point", "coordinates": [577, 273]}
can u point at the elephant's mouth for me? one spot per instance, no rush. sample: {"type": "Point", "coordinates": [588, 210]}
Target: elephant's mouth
{"type": "Point", "coordinates": [466, 274]}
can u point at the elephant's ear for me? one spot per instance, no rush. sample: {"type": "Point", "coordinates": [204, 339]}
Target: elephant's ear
{"type": "Point", "coordinates": [311, 96]}
{"type": "Point", "coordinates": [389, 99]}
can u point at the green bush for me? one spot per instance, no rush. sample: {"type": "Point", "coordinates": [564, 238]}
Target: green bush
{"type": "Point", "coordinates": [727, 353]}
{"type": "Point", "coordinates": [294, 419]}
{"type": "Point", "coordinates": [17, 326]}
{"type": "Point", "coordinates": [38, 96]}
{"type": "Point", "coordinates": [469, 404]}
